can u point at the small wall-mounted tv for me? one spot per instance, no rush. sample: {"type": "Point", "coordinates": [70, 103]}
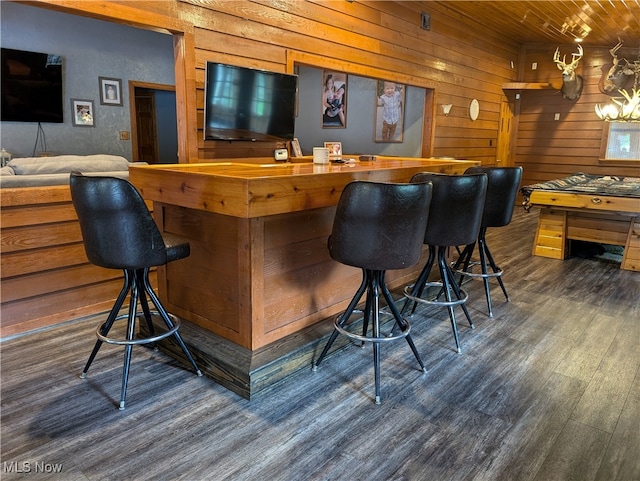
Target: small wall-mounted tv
{"type": "Point", "coordinates": [31, 86]}
{"type": "Point", "coordinates": [248, 104]}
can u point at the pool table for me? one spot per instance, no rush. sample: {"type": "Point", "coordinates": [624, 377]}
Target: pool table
{"type": "Point", "coordinates": [601, 209]}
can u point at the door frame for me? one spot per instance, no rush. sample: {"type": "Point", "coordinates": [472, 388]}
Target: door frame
{"type": "Point", "coordinates": [506, 133]}
{"type": "Point", "coordinates": [133, 84]}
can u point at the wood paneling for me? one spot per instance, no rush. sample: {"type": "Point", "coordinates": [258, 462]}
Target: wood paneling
{"type": "Point", "coordinates": [471, 50]}
{"type": "Point", "coordinates": [550, 149]}
{"type": "Point", "coordinates": [558, 22]}
{"type": "Point", "coordinates": [45, 275]}
{"type": "Point", "coordinates": [366, 39]}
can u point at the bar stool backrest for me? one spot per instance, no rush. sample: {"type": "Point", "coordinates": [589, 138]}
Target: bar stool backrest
{"type": "Point", "coordinates": [118, 230]}
{"type": "Point", "coordinates": [502, 190]}
{"type": "Point", "coordinates": [457, 204]}
{"type": "Point", "coordinates": [380, 226]}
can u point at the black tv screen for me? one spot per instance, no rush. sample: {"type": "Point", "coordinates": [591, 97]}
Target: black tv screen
{"type": "Point", "coordinates": [31, 86]}
{"type": "Point", "coordinates": [248, 104]}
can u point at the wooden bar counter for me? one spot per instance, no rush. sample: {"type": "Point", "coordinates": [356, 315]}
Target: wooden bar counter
{"type": "Point", "coordinates": [259, 278]}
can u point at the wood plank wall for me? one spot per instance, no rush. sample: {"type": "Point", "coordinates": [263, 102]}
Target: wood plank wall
{"type": "Point", "coordinates": [46, 277]}
{"type": "Point", "coordinates": [367, 37]}
{"type": "Point", "coordinates": [458, 57]}
{"type": "Point", "coordinates": [550, 149]}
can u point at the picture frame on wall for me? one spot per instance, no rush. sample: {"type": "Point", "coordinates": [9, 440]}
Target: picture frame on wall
{"type": "Point", "coordinates": [110, 91]}
{"type": "Point", "coordinates": [389, 112]}
{"type": "Point", "coordinates": [334, 100]}
{"type": "Point", "coordinates": [82, 114]}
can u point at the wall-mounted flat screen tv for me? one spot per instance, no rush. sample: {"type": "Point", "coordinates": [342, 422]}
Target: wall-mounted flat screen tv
{"type": "Point", "coordinates": [248, 104]}
{"type": "Point", "coordinates": [31, 86]}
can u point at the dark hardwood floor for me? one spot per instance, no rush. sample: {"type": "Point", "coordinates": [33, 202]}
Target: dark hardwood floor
{"type": "Point", "coordinates": [546, 390]}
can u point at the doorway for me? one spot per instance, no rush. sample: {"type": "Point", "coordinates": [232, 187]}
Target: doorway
{"type": "Point", "coordinates": [154, 126]}
{"type": "Point", "coordinates": [504, 156]}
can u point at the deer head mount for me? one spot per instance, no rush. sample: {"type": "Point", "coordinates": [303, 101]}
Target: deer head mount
{"type": "Point", "coordinates": [571, 82]}
{"type": "Point", "coordinates": [620, 72]}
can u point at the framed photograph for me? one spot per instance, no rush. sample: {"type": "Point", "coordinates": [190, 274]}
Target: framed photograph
{"type": "Point", "coordinates": [335, 150]}
{"type": "Point", "coordinates": [110, 91]}
{"type": "Point", "coordinates": [82, 113]}
{"type": "Point", "coordinates": [389, 112]}
{"type": "Point", "coordinates": [334, 100]}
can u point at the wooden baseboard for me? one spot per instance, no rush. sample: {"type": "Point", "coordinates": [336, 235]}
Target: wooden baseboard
{"type": "Point", "coordinates": [251, 374]}
{"type": "Point", "coordinates": [245, 372]}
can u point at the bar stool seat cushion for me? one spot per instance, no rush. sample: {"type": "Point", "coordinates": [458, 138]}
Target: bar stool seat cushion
{"type": "Point", "coordinates": [375, 226]}
{"type": "Point", "coordinates": [176, 247]}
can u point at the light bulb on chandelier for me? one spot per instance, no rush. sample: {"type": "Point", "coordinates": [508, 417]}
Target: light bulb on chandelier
{"type": "Point", "coordinates": [624, 109]}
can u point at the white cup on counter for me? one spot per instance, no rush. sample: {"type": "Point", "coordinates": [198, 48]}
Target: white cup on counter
{"type": "Point", "coordinates": [320, 155]}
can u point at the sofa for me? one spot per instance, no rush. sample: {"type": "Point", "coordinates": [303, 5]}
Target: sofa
{"type": "Point", "coordinates": [46, 171]}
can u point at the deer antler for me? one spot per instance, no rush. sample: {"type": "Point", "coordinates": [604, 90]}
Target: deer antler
{"type": "Point", "coordinates": [562, 64]}
{"type": "Point", "coordinates": [615, 49]}
{"type": "Point", "coordinates": [632, 104]}
{"type": "Point", "coordinates": [556, 59]}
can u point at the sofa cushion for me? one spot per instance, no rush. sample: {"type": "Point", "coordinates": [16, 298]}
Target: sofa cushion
{"type": "Point", "coordinates": [63, 164]}
{"type": "Point", "coordinates": [41, 180]}
{"type": "Point", "coordinates": [6, 170]}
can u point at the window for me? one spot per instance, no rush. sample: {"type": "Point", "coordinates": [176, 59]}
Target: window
{"type": "Point", "coordinates": [621, 141]}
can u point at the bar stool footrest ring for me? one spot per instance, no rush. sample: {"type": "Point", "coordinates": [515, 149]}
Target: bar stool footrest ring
{"type": "Point", "coordinates": [144, 340]}
{"type": "Point", "coordinates": [478, 274]}
{"type": "Point", "coordinates": [456, 302]}
{"type": "Point", "coordinates": [358, 337]}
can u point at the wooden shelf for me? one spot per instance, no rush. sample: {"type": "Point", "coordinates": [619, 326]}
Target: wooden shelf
{"type": "Point", "coordinates": [529, 86]}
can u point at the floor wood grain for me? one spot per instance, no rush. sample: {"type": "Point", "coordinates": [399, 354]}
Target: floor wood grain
{"type": "Point", "coordinates": [548, 389]}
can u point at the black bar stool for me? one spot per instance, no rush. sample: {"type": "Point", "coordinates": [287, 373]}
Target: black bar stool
{"type": "Point", "coordinates": [119, 232]}
{"type": "Point", "coordinates": [454, 219]}
{"type": "Point", "coordinates": [377, 227]}
{"type": "Point", "coordinates": [502, 190]}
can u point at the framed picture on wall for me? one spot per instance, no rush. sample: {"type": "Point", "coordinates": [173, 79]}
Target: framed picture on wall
{"type": "Point", "coordinates": [82, 113]}
{"type": "Point", "coordinates": [110, 91]}
{"type": "Point", "coordinates": [389, 112]}
{"type": "Point", "coordinates": [334, 100]}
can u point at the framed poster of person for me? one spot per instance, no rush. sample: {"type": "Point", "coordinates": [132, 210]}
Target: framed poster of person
{"type": "Point", "coordinates": [334, 100]}
{"type": "Point", "coordinates": [389, 112]}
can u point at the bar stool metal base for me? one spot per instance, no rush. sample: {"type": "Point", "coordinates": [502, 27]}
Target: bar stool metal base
{"type": "Point", "coordinates": [373, 283]}
{"type": "Point", "coordinates": [414, 292]}
{"type": "Point", "coordinates": [486, 260]}
{"type": "Point", "coordinates": [136, 283]}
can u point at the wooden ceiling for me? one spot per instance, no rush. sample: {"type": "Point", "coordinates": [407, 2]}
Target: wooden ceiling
{"type": "Point", "coordinates": [599, 22]}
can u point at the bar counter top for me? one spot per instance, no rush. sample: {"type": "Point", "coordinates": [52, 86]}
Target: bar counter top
{"type": "Point", "coordinates": [249, 188]}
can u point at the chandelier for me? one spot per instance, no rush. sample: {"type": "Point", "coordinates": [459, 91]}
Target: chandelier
{"type": "Point", "coordinates": [622, 109]}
